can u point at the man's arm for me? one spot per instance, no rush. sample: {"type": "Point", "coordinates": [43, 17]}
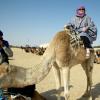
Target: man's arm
{"type": "Point", "coordinates": [7, 49]}
{"type": "Point", "coordinates": [91, 24]}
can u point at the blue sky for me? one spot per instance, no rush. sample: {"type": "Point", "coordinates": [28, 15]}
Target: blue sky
{"type": "Point", "coordinates": [35, 22]}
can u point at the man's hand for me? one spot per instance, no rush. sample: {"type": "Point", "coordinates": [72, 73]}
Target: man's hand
{"type": "Point", "coordinates": [84, 29]}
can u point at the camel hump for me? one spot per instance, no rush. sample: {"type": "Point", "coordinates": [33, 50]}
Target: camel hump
{"type": "Point", "coordinates": [61, 38]}
{"type": "Point", "coordinates": [62, 35]}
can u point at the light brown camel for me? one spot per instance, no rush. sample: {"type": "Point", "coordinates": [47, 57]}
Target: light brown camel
{"type": "Point", "coordinates": [62, 56]}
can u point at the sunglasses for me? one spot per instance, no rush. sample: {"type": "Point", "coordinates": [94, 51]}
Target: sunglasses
{"type": "Point", "coordinates": [81, 9]}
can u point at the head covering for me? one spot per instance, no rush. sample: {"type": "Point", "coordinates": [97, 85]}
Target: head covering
{"type": "Point", "coordinates": [1, 33]}
{"type": "Point", "coordinates": [78, 11]}
{"type": "Point", "coordinates": [81, 7]}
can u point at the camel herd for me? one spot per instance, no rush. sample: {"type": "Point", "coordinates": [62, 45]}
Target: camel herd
{"type": "Point", "coordinates": [34, 50]}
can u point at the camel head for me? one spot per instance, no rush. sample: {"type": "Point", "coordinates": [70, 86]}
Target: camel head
{"type": "Point", "coordinates": [4, 69]}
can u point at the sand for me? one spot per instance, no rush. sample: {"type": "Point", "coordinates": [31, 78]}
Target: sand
{"type": "Point", "coordinates": [47, 86]}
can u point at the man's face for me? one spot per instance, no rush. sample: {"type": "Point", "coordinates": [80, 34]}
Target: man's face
{"type": "Point", "coordinates": [81, 11]}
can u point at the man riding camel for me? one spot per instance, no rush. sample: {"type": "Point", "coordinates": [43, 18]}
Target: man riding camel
{"type": "Point", "coordinates": [86, 28]}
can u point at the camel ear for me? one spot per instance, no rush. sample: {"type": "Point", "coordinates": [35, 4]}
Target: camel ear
{"type": "Point", "coordinates": [66, 29]}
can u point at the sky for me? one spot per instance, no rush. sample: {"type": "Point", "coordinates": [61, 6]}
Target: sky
{"type": "Point", "coordinates": [35, 22]}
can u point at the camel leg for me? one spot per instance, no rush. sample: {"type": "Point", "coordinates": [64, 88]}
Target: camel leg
{"type": "Point", "coordinates": [88, 70]}
{"type": "Point", "coordinates": [66, 79]}
{"type": "Point", "coordinates": [58, 80]}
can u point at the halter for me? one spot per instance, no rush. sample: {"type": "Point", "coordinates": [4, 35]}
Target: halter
{"type": "Point", "coordinates": [74, 37]}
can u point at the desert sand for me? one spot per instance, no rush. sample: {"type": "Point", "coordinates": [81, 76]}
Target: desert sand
{"type": "Point", "coordinates": [47, 86]}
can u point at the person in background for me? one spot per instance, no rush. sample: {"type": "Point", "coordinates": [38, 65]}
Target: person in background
{"type": "Point", "coordinates": [5, 53]}
{"type": "Point", "coordinates": [86, 28]}
{"type": "Point", "coordinates": [5, 50]}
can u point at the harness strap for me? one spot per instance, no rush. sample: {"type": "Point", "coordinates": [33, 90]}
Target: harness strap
{"type": "Point", "coordinates": [74, 38]}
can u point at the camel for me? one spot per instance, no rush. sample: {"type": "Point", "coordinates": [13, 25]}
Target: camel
{"type": "Point", "coordinates": [60, 55]}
